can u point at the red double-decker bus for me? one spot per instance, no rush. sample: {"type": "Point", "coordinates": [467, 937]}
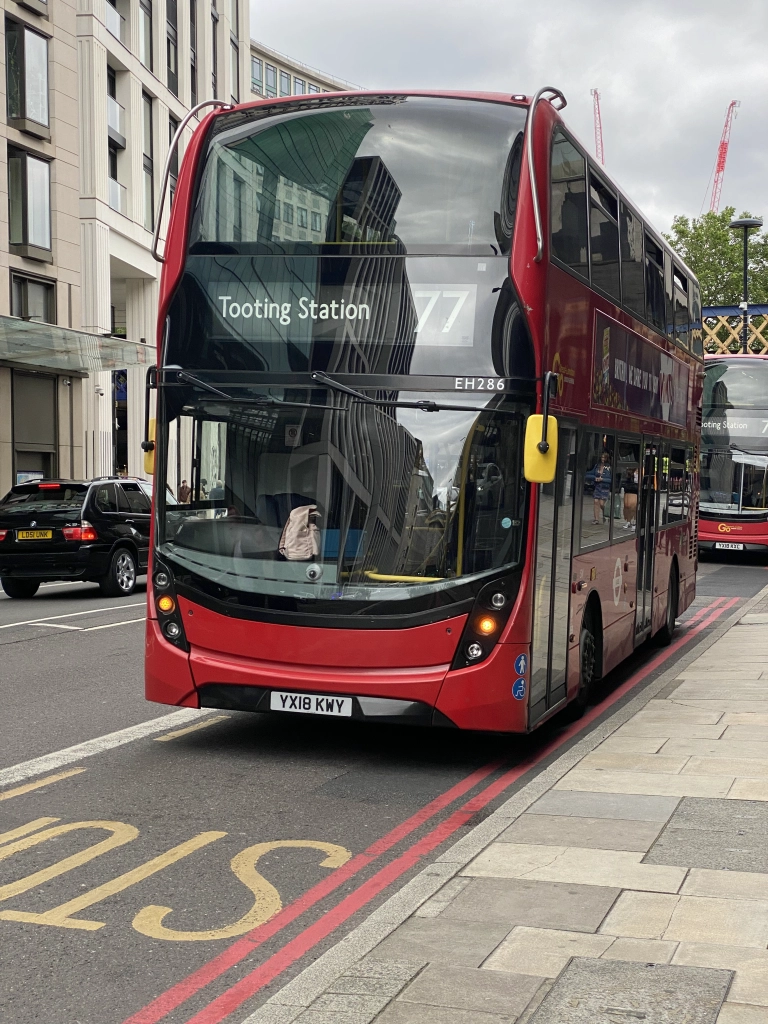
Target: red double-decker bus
{"type": "Point", "coordinates": [734, 454]}
{"type": "Point", "coordinates": [368, 302]}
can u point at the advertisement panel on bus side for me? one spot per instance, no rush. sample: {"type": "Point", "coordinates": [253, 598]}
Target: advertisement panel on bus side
{"type": "Point", "coordinates": [632, 375]}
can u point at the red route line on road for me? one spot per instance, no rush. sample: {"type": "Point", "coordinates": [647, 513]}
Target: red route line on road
{"type": "Point", "coordinates": [253, 982]}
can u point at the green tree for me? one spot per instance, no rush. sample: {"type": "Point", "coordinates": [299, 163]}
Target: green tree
{"type": "Point", "coordinates": [716, 255]}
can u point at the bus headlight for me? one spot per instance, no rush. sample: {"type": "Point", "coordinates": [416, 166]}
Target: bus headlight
{"type": "Point", "coordinates": [474, 651]}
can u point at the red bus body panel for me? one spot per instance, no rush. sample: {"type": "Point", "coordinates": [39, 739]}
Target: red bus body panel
{"type": "Point", "coordinates": [713, 530]}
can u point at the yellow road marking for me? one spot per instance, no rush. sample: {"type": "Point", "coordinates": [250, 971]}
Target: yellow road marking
{"type": "Point", "coordinates": [61, 916]}
{"type": "Point", "coordinates": [24, 830]}
{"type": "Point", "coordinates": [191, 728]}
{"type": "Point", "coordinates": [29, 786]}
{"type": "Point", "coordinates": [121, 834]}
{"type": "Point", "coordinates": [267, 902]}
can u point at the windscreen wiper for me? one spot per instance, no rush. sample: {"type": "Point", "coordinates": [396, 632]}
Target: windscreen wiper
{"type": "Point", "coordinates": [187, 378]}
{"type": "Point", "coordinates": [423, 405]}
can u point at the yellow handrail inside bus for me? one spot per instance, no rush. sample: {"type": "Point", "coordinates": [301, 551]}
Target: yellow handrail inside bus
{"type": "Point", "coordinates": [384, 577]}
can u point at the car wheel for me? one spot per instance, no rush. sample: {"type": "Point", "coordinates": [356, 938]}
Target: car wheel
{"type": "Point", "coordinates": [120, 581]}
{"type": "Point", "coordinates": [665, 634]}
{"type": "Point", "coordinates": [20, 588]}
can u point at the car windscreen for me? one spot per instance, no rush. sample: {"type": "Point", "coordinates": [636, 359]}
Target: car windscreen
{"type": "Point", "coordinates": [394, 173]}
{"type": "Point", "coordinates": [44, 498]}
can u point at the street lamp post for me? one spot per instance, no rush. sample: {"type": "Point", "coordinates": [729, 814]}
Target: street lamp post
{"type": "Point", "coordinates": [745, 224]}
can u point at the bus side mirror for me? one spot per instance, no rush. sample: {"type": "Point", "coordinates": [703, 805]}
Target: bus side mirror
{"type": "Point", "coordinates": [148, 446]}
{"type": "Point", "coordinates": [539, 466]}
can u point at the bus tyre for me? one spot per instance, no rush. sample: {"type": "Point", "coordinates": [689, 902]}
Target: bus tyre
{"type": "Point", "coordinates": [665, 634]}
{"type": "Point", "coordinates": [120, 580]}
{"type": "Point", "coordinates": [20, 588]}
{"type": "Point", "coordinates": [587, 666]}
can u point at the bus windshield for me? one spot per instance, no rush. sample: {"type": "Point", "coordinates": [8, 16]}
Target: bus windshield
{"type": "Point", "coordinates": [345, 501]}
{"type": "Point", "coordinates": [734, 435]}
{"type": "Point", "coordinates": [393, 173]}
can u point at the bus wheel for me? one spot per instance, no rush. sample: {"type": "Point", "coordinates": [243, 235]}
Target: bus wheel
{"type": "Point", "coordinates": [587, 670]}
{"type": "Point", "coordinates": [664, 636]}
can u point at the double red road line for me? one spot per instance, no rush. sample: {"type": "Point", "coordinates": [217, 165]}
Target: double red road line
{"type": "Point", "coordinates": [297, 947]}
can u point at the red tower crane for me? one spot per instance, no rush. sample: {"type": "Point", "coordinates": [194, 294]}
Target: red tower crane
{"type": "Point", "coordinates": [599, 153]}
{"type": "Point", "coordinates": [722, 155]}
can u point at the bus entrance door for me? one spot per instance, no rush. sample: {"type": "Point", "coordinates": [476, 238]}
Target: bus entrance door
{"type": "Point", "coordinates": [646, 536]}
{"type": "Point", "coordinates": [549, 650]}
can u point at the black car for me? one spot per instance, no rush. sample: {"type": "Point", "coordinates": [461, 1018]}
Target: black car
{"type": "Point", "coordinates": [95, 530]}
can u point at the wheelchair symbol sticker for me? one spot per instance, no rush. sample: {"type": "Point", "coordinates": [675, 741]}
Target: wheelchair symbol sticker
{"type": "Point", "coordinates": [518, 689]}
{"type": "Point", "coordinates": [521, 664]}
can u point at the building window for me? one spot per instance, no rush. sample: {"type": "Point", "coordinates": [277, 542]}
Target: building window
{"type": "Point", "coordinates": [271, 80]}
{"type": "Point", "coordinates": [234, 69]}
{"type": "Point", "coordinates": [29, 198]}
{"type": "Point", "coordinates": [27, 76]}
{"type": "Point", "coordinates": [149, 190]}
{"type": "Point", "coordinates": [214, 49]}
{"type": "Point", "coordinates": [257, 75]}
{"type": "Point", "coordinates": [299, 87]}
{"type": "Point", "coordinates": [317, 224]}
{"type": "Point", "coordinates": [145, 33]}
{"type": "Point", "coordinates": [285, 83]}
{"type": "Point", "coordinates": [173, 172]}
{"type": "Point", "coordinates": [288, 213]}
{"type": "Point", "coordinates": [193, 52]}
{"type": "Point", "coordinates": [238, 199]}
{"type": "Point", "coordinates": [32, 299]}
{"type": "Point", "coordinates": [301, 216]}
{"type": "Point", "coordinates": [313, 88]}
{"type": "Point", "coordinates": [172, 46]}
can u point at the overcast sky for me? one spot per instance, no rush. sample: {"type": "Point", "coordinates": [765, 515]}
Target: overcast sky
{"type": "Point", "coordinates": [666, 72]}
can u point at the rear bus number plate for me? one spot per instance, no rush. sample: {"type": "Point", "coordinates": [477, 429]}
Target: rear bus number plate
{"type": "Point", "coordinates": [311, 704]}
{"type": "Point", "coordinates": [728, 545]}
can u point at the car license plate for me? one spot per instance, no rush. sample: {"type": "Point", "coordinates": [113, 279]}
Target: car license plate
{"type": "Point", "coordinates": [34, 534]}
{"type": "Point", "coordinates": [311, 704]}
{"type": "Point", "coordinates": [728, 545]}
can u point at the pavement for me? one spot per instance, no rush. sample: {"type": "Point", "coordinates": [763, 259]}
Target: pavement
{"type": "Point", "coordinates": [628, 881]}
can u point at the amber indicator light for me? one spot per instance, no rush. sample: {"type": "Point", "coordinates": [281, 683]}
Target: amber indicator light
{"type": "Point", "coordinates": [486, 625]}
{"type": "Point", "coordinates": [166, 603]}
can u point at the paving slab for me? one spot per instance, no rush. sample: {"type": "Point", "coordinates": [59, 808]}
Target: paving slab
{"type": "Point", "coordinates": [523, 901]}
{"type": "Point", "coordinates": [730, 835]}
{"type": "Point", "coordinates": [635, 807]}
{"type": "Point", "coordinates": [740, 747]}
{"type": "Point", "coordinates": [749, 789]}
{"type": "Point", "coordinates": [750, 984]}
{"type": "Point", "coordinates": [728, 921]}
{"type": "Point", "coordinates": [736, 767]}
{"type": "Point", "coordinates": [626, 743]}
{"type": "Point", "coordinates": [401, 1012]}
{"type": "Point", "coordinates": [740, 1013]}
{"type": "Point", "coordinates": [646, 951]}
{"type": "Point", "coordinates": [468, 988]}
{"type": "Point", "coordinates": [744, 885]}
{"type": "Point", "coordinates": [595, 833]}
{"type": "Point", "coordinates": [464, 943]}
{"type": "Point", "coordinates": [591, 991]}
{"type": "Point", "coordinates": [633, 762]}
{"type": "Point", "coordinates": [543, 952]}
{"type": "Point", "coordinates": [646, 782]}
{"type": "Point", "coordinates": [640, 915]}
{"type": "Point", "coordinates": [615, 868]}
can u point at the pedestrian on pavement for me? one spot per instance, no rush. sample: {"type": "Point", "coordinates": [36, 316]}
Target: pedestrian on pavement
{"type": "Point", "coordinates": [602, 487]}
{"type": "Point", "coordinates": [630, 498]}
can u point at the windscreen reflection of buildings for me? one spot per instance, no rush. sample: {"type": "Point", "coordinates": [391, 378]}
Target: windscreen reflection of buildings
{"type": "Point", "coordinates": [734, 455]}
{"type": "Point", "coordinates": [391, 499]}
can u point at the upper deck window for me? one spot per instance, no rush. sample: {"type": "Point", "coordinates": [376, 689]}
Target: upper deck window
{"type": "Point", "coordinates": [412, 174]}
{"type": "Point", "coordinates": [569, 205]}
{"type": "Point", "coordinates": [604, 236]}
{"type": "Point", "coordinates": [654, 283]}
{"type": "Point", "coordinates": [632, 288]}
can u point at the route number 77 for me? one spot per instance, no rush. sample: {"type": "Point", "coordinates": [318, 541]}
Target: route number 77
{"type": "Point", "coordinates": [433, 296]}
